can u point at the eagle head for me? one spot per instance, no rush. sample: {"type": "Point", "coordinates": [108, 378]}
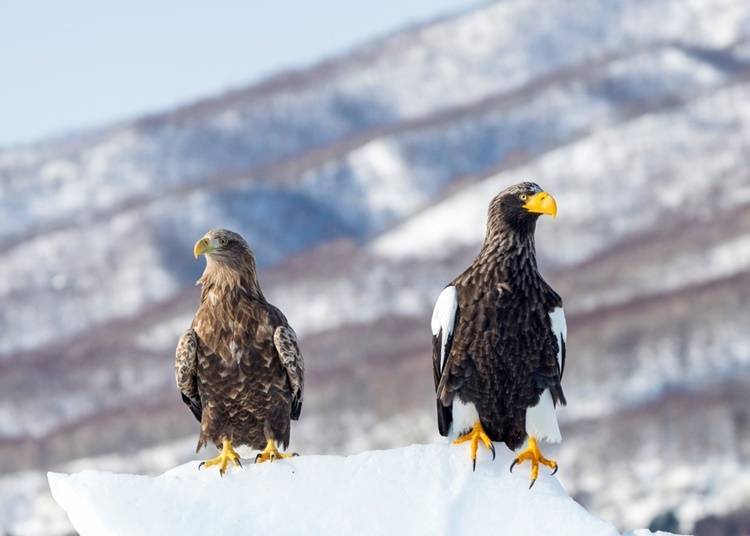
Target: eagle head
{"type": "Point", "coordinates": [519, 206]}
{"type": "Point", "coordinates": [223, 246]}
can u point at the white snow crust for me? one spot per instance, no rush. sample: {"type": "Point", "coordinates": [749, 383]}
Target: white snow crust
{"type": "Point", "coordinates": [420, 489]}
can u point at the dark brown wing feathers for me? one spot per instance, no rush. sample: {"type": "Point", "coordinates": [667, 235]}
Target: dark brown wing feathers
{"type": "Point", "coordinates": [285, 340]}
{"type": "Point", "coordinates": [444, 411]}
{"type": "Point", "coordinates": [185, 372]}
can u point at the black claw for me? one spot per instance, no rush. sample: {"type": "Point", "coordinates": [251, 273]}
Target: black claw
{"type": "Point", "coordinates": [201, 465]}
{"type": "Point", "coordinates": [555, 471]}
{"type": "Point", "coordinates": [239, 462]}
{"type": "Point", "coordinates": [492, 449]}
{"type": "Point", "coordinates": [474, 465]}
{"type": "Point", "coordinates": [532, 483]}
{"type": "Point", "coordinates": [256, 458]}
{"type": "Point", "coordinates": [513, 465]}
{"type": "Point", "coordinates": [295, 454]}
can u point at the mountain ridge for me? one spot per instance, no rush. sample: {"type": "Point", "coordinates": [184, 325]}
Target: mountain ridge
{"type": "Point", "coordinates": [361, 197]}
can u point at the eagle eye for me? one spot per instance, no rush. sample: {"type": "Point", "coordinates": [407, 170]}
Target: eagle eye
{"type": "Point", "coordinates": [223, 241]}
{"type": "Point", "coordinates": [524, 197]}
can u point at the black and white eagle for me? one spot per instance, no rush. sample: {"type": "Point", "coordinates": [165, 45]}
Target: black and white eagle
{"type": "Point", "coordinates": [499, 338]}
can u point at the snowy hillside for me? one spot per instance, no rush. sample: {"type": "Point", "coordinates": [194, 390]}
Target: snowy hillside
{"type": "Point", "coordinates": [344, 149]}
{"type": "Point", "coordinates": [362, 184]}
{"type": "Point", "coordinates": [425, 489]}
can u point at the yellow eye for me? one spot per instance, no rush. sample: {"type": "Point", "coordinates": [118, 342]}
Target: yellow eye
{"type": "Point", "coordinates": [524, 197]}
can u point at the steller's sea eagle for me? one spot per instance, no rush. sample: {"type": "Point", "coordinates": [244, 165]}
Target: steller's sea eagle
{"type": "Point", "coordinates": [499, 338]}
{"type": "Point", "coordinates": [238, 367]}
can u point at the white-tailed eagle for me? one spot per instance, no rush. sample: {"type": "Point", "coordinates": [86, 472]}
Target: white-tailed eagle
{"type": "Point", "coordinates": [238, 367]}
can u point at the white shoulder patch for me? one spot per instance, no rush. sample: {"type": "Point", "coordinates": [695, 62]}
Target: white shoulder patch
{"type": "Point", "coordinates": [560, 329]}
{"type": "Point", "coordinates": [444, 317]}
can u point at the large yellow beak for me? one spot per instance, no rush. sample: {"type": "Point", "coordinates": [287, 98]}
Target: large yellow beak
{"type": "Point", "coordinates": [541, 203]}
{"type": "Point", "coordinates": [201, 247]}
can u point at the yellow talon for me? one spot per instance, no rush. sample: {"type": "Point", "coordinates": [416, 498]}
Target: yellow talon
{"type": "Point", "coordinates": [476, 435]}
{"type": "Point", "coordinates": [534, 455]}
{"type": "Point", "coordinates": [227, 454]}
{"type": "Point", "coordinates": [271, 453]}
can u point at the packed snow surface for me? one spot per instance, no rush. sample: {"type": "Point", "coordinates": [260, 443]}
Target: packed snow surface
{"type": "Point", "coordinates": [420, 489]}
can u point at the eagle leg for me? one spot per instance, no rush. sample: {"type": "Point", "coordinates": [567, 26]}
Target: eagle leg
{"type": "Point", "coordinates": [534, 455]}
{"type": "Point", "coordinates": [271, 453]}
{"type": "Point", "coordinates": [227, 454]}
{"type": "Point", "coordinates": [476, 435]}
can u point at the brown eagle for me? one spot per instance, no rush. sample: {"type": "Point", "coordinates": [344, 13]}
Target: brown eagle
{"type": "Point", "coordinates": [238, 367]}
{"type": "Point", "coordinates": [499, 338]}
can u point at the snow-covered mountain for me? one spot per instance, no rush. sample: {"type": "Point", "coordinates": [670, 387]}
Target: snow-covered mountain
{"type": "Point", "coordinates": [362, 184]}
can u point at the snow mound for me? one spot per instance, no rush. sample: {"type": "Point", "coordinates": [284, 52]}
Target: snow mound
{"type": "Point", "coordinates": [421, 489]}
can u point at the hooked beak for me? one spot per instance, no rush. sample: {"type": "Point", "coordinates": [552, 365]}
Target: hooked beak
{"type": "Point", "coordinates": [201, 246]}
{"type": "Point", "coordinates": [541, 203]}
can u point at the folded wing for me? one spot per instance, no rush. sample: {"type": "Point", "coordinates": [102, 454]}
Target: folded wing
{"type": "Point", "coordinates": [285, 340]}
{"type": "Point", "coordinates": [185, 364]}
{"type": "Point", "coordinates": [443, 321]}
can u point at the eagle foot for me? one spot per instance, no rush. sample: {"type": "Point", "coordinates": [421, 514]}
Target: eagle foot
{"type": "Point", "coordinates": [271, 453]}
{"type": "Point", "coordinates": [534, 455]}
{"type": "Point", "coordinates": [227, 454]}
{"type": "Point", "coordinates": [476, 435]}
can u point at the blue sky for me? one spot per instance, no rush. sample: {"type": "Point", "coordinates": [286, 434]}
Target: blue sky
{"type": "Point", "coordinates": [72, 63]}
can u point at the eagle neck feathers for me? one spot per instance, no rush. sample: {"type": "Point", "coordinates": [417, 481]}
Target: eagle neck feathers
{"type": "Point", "coordinates": [507, 259]}
{"type": "Point", "coordinates": [226, 279]}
